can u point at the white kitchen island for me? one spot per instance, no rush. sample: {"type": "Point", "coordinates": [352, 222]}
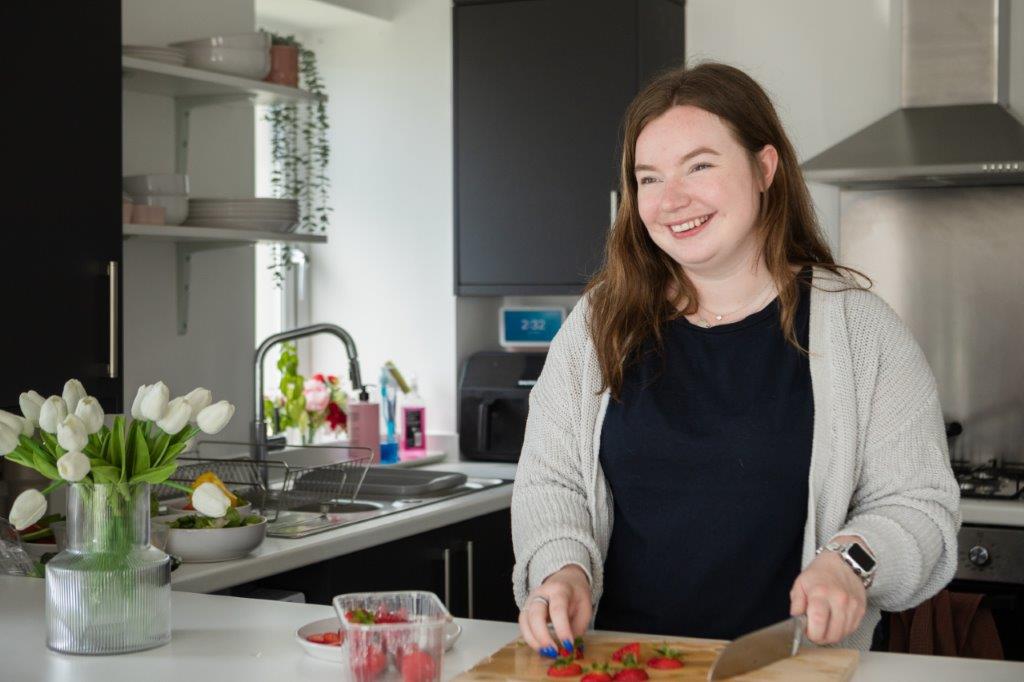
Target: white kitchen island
{"type": "Point", "coordinates": [226, 638]}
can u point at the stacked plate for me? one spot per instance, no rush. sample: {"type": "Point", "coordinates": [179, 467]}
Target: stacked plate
{"type": "Point", "coordinates": [167, 55]}
{"type": "Point", "coordinates": [267, 215]}
{"type": "Point", "coordinates": [240, 54]}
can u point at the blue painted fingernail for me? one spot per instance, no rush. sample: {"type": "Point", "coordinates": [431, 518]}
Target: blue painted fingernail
{"type": "Point", "coordinates": [549, 652]}
{"type": "Point", "coordinates": [567, 643]}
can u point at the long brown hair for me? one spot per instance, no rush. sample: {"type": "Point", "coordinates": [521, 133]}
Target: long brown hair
{"type": "Point", "coordinates": [628, 296]}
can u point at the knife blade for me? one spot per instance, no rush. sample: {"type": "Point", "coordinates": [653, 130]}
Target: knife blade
{"type": "Point", "coordinates": [759, 648]}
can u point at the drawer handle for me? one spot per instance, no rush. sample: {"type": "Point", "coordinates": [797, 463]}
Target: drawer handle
{"type": "Point", "coordinates": [112, 368]}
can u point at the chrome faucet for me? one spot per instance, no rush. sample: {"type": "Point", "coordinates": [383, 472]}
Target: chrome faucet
{"type": "Point", "coordinates": [259, 428]}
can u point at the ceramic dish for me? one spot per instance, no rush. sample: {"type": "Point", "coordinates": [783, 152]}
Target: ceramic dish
{"type": "Point", "coordinates": [207, 545]}
{"type": "Point", "coordinates": [244, 41]}
{"type": "Point", "coordinates": [335, 654]}
{"type": "Point", "coordinates": [258, 224]}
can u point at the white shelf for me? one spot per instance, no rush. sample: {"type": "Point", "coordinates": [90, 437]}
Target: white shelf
{"type": "Point", "coordinates": [157, 78]}
{"type": "Point", "coordinates": [214, 235]}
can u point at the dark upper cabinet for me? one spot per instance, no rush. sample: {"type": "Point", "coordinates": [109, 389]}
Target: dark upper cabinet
{"type": "Point", "coordinates": [62, 200]}
{"type": "Point", "coordinates": [541, 87]}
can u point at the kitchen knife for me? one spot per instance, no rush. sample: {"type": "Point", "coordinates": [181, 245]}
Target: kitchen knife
{"type": "Point", "coordinates": [759, 648]}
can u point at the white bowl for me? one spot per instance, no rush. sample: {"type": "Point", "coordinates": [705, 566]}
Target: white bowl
{"type": "Point", "coordinates": [205, 545]}
{"type": "Point", "coordinates": [155, 183]}
{"type": "Point", "coordinates": [335, 654]}
{"type": "Point", "coordinates": [175, 205]}
{"type": "Point", "coordinates": [255, 40]}
{"type": "Point", "coordinates": [247, 63]}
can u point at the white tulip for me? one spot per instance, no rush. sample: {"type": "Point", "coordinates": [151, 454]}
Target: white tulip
{"type": "Point", "coordinates": [90, 412]}
{"type": "Point", "coordinates": [8, 439]}
{"type": "Point", "coordinates": [71, 433]}
{"type": "Point", "coordinates": [18, 424]}
{"type": "Point", "coordinates": [30, 403]}
{"type": "Point", "coordinates": [154, 403]}
{"type": "Point", "coordinates": [209, 500]}
{"type": "Point", "coordinates": [73, 466]}
{"type": "Point", "coordinates": [198, 399]}
{"type": "Point", "coordinates": [137, 403]}
{"type": "Point", "coordinates": [215, 417]}
{"type": "Point", "coordinates": [52, 413]}
{"type": "Point", "coordinates": [73, 392]}
{"type": "Point", "coordinates": [177, 415]}
{"type": "Point", "coordinates": [28, 508]}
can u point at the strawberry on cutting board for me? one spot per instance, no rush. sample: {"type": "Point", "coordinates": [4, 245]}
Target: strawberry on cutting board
{"type": "Point", "coordinates": [565, 667]}
{"type": "Point", "coordinates": [631, 675]}
{"type": "Point", "coordinates": [631, 648]}
{"type": "Point", "coordinates": [598, 672]}
{"type": "Point", "coordinates": [666, 659]}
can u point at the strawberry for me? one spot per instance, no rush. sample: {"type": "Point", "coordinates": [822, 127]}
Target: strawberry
{"type": "Point", "coordinates": [666, 659]}
{"type": "Point", "coordinates": [576, 652]}
{"type": "Point", "coordinates": [631, 675]}
{"type": "Point", "coordinates": [565, 667]}
{"type": "Point", "coordinates": [316, 638]}
{"type": "Point", "coordinates": [371, 663]}
{"type": "Point", "coordinates": [332, 638]}
{"type": "Point", "coordinates": [418, 666]}
{"type": "Point", "coordinates": [597, 673]}
{"type": "Point", "coordinates": [633, 648]}
{"type": "Point", "coordinates": [361, 616]}
{"type": "Point", "coordinates": [383, 616]}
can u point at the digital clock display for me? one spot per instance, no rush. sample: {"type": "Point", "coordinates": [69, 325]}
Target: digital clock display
{"type": "Point", "coordinates": [530, 326]}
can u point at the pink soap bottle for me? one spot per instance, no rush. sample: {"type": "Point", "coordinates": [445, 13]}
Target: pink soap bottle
{"type": "Point", "coordinates": [413, 443]}
{"type": "Point", "coordinates": [364, 424]}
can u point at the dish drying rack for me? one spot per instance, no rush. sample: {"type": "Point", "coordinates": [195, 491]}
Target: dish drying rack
{"type": "Point", "coordinates": [298, 478]}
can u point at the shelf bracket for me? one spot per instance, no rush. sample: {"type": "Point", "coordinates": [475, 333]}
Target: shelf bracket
{"type": "Point", "coordinates": [183, 274]}
{"type": "Point", "coordinates": [183, 107]}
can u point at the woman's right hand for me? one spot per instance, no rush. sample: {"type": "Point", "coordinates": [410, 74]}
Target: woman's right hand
{"type": "Point", "coordinates": [564, 600]}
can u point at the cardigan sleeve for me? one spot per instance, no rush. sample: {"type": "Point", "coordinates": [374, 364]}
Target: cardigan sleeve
{"type": "Point", "coordinates": [551, 522]}
{"type": "Point", "coordinates": [906, 505]}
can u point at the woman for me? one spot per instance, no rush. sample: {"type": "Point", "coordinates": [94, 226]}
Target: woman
{"type": "Point", "coordinates": [728, 429]}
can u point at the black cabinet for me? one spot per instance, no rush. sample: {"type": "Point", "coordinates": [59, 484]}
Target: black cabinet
{"type": "Point", "coordinates": [62, 201]}
{"type": "Point", "coordinates": [541, 87]}
{"type": "Point", "coordinates": [467, 564]}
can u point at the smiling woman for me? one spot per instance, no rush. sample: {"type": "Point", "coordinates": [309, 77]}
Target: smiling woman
{"type": "Point", "coordinates": [729, 428]}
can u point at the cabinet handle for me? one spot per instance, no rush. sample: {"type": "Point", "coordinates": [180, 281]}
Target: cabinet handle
{"type": "Point", "coordinates": [614, 206]}
{"type": "Point", "coordinates": [469, 579]}
{"type": "Point", "coordinates": [447, 578]}
{"type": "Point", "coordinates": [112, 275]}
{"type": "Point", "coordinates": [483, 422]}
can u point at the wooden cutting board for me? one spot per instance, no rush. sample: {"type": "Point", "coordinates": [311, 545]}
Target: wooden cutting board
{"type": "Point", "coordinates": [517, 661]}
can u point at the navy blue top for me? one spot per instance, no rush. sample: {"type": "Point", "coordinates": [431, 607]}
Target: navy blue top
{"type": "Point", "coordinates": [707, 456]}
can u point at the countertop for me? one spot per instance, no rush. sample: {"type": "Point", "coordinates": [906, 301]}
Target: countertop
{"type": "Point", "coordinates": [276, 555]}
{"type": "Point", "coordinates": [226, 638]}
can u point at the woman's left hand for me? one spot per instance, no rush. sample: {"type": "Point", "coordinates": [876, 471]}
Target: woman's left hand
{"type": "Point", "coordinates": [832, 596]}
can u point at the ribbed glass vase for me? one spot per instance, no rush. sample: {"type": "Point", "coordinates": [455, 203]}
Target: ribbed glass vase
{"type": "Point", "coordinates": [109, 591]}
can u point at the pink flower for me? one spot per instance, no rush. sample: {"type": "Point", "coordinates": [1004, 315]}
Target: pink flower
{"type": "Point", "coordinates": [317, 395]}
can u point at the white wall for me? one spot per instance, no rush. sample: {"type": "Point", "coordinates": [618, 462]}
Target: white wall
{"type": "Point", "coordinates": [386, 273]}
{"type": "Point", "coordinates": [217, 351]}
{"type": "Point", "coordinates": [831, 66]}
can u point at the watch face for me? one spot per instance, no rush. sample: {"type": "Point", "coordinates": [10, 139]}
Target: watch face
{"type": "Point", "coordinates": [864, 559]}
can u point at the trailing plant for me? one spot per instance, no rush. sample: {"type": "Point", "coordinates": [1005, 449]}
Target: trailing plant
{"type": "Point", "coordinates": [300, 152]}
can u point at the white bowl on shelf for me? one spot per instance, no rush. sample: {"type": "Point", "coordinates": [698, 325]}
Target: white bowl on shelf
{"type": "Point", "coordinates": [247, 63]}
{"type": "Point", "coordinates": [155, 183]}
{"type": "Point", "coordinates": [207, 545]}
{"type": "Point", "coordinates": [256, 224]}
{"type": "Point", "coordinates": [175, 205]}
{"type": "Point", "coordinates": [255, 40]}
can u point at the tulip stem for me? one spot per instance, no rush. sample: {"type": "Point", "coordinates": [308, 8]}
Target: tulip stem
{"type": "Point", "coordinates": [53, 486]}
{"type": "Point", "coordinates": [178, 486]}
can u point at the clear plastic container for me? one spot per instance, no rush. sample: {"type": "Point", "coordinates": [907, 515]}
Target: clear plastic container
{"type": "Point", "coordinates": [409, 651]}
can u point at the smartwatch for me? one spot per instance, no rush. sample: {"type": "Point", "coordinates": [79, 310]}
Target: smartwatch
{"type": "Point", "coordinates": [857, 558]}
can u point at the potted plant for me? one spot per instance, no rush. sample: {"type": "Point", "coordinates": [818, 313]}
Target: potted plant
{"type": "Point", "coordinates": [300, 151]}
{"type": "Point", "coordinates": [108, 592]}
{"type": "Point", "coordinates": [284, 61]}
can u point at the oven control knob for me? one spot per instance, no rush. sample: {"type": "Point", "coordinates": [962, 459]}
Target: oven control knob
{"type": "Point", "coordinates": [978, 555]}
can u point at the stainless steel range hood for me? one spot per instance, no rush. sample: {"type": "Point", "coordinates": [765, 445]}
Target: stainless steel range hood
{"type": "Point", "coordinates": [954, 127]}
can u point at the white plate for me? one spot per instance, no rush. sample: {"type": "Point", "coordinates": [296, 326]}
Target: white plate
{"type": "Point", "coordinates": [257, 224]}
{"type": "Point", "coordinates": [245, 202]}
{"type": "Point", "coordinates": [244, 212]}
{"type": "Point", "coordinates": [207, 545]}
{"type": "Point", "coordinates": [335, 654]}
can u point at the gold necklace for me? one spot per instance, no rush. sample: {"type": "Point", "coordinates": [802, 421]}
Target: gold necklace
{"type": "Point", "coordinates": [718, 318]}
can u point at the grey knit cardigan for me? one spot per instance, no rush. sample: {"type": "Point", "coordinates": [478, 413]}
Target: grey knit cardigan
{"type": "Point", "coordinates": [879, 462]}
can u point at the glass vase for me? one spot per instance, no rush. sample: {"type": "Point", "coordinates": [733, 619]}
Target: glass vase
{"type": "Point", "coordinates": [109, 591]}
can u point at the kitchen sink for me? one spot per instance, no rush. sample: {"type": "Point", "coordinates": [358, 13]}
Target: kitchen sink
{"type": "Point", "coordinates": [318, 518]}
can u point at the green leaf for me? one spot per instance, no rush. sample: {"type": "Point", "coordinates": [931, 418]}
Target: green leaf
{"type": "Point", "coordinates": [23, 457]}
{"type": "Point", "coordinates": [50, 441]}
{"type": "Point", "coordinates": [155, 475]}
{"type": "Point", "coordinates": [141, 464]}
{"type": "Point", "coordinates": [45, 467]}
{"type": "Point", "coordinates": [115, 453]}
{"type": "Point", "coordinates": [106, 473]}
{"type": "Point", "coordinates": [159, 448]}
{"type": "Point", "coordinates": [53, 486]}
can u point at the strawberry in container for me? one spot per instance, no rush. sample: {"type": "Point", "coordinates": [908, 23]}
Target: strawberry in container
{"type": "Point", "coordinates": [393, 636]}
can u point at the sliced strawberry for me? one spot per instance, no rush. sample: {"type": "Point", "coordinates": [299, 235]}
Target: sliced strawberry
{"type": "Point", "coordinates": [666, 659]}
{"type": "Point", "coordinates": [631, 675]}
{"type": "Point", "coordinates": [565, 668]}
{"type": "Point", "coordinates": [598, 672]}
{"type": "Point", "coordinates": [418, 666]}
{"type": "Point", "coordinates": [633, 648]}
{"type": "Point", "coordinates": [316, 638]}
{"type": "Point", "coordinates": [332, 637]}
